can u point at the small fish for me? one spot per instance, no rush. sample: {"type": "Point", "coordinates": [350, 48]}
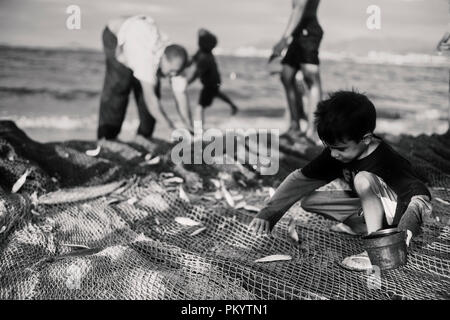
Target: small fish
{"type": "Point", "coordinates": [275, 257]}
{"type": "Point", "coordinates": [113, 201]}
{"type": "Point", "coordinates": [227, 195]}
{"type": "Point", "coordinates": [34, 212]}
{"type": "Point", "coordinates": [153, 161]}
{"type": "Point", "coordinates": [80, 246]}
{"type": "Point", "coordinates": [173, 180]}
{"type": "Point", "coordinates": [271, 192]}
{"type": "Point", "coordinates": [20, 182]}
{"type": "Point", "coordinates": [2, 229]}
{"type": "Point", "coordinates": [442, 201]}
{"type": "Point", "coordinates": [292, 232]}
{"type": "Point", "coordinates": [132, 200]}
{"type": "Point", "coordinates": [251, 208]}
{"type": "Point", "coordinates": [34, 198]}
{"type": "Point", "coordinates": [148, 156]}
{"type": "Point", "coordinates": [93, 152]}
{"type": "Point", "coordinates": [3, 209]}
{"type": "Point", "coordinates": [240, 205]}
{"type": "Point", "coordinates": [186, 221]}
{"type": "Point", "coordinates": [124, 186]}
{"type": "Point", "coordinates": [157, 221]}
{"type": "Point", "coordinates": [196, 232]}
{"type": "Point", "coordinates": [183, 195]}
{"type": "Point", "coordinates": [218, 195]}
{"type": "Point", "coordinates": [242, 183]}
{"type": "Point", "coordinates": [216, 183]}
{"type": "Point", "coordinates": [11, 158]}
{"type": "Point", "coordinates": [166, 175]}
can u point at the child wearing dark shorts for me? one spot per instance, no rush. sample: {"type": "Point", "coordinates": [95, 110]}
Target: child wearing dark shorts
{"type": "Point", "coordinates": [207, 70]}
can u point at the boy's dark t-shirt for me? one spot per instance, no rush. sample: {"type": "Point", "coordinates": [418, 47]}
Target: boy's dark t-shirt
{"type": "Point", "coordinates": [384, 162]}
{"type": "Point", "coordinates": [207, 69]}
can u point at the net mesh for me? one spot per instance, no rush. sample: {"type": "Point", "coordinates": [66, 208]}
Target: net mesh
{"type": "Point", "coordinates": [104, 228]}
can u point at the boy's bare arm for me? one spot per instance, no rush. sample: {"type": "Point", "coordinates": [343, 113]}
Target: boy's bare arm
{"type": "Point", "coordinates": [291, 190]}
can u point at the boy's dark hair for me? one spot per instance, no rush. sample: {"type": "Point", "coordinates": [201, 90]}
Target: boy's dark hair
{"type": "Point", "coordinates": [175, 51]}
{"type": "Point", "coordinates": [206, 40]}
{"type": "Point", "coordinates": [345, 115]}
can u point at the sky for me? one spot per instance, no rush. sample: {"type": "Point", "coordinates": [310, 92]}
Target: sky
{"type": "Point", "coordinates": [406, 25]}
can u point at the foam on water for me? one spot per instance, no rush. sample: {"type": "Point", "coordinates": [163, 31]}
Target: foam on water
{"type": "Point", "coordinates": [60, 90]}
{"type": "Point", "coordinates": [372, 57]}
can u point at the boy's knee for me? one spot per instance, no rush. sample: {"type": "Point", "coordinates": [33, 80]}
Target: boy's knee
{"type": "Point", "coordinates": [364, 183]}
{"type": "Point", "coordinates": [418, 209]}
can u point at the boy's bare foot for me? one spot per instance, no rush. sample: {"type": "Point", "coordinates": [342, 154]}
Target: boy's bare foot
{"type": "Point", "coordinates": [343, 228]}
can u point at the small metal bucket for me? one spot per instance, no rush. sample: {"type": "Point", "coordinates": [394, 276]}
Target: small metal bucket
{"type": "Point", "coordinates": [386, 248]}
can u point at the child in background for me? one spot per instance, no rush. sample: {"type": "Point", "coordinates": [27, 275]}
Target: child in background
{"type": "Point", "coordinates": [207, 70]}
{"type": "Point", "coordinates": [385, 191]}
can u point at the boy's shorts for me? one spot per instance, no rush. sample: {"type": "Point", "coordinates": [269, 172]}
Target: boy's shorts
{"type": "Point", "coordinates": [304, 47]}
{"type": "Point", "coordinates": [341, 205]}
{"type": "Point", "coordinates": [207, 96]}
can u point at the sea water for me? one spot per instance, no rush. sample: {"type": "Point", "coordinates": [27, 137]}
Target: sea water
{"type": "Point", "coordinates": [54, 94]}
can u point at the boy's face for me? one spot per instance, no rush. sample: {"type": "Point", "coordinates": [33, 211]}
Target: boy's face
{"type": "Point", "coordinates": [347, 150]}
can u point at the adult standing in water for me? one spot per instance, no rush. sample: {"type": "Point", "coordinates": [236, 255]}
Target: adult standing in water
{"type": "Point", "coordinates": [302, 36]}
{"type": "Point", "coordinates": [137, 57]}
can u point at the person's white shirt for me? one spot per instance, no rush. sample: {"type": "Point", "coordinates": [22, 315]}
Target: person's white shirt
{"type": "Point", "coordinates": [140, 47]}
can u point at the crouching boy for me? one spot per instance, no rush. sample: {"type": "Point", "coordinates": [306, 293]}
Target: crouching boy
{"type": "Point", "coordinates": [385, 192]}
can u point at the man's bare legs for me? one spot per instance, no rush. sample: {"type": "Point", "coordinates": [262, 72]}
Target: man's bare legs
{"type": "Point", "coordinates": [292, 95]}
{"type": "Point", "coordinates": [311, 74]}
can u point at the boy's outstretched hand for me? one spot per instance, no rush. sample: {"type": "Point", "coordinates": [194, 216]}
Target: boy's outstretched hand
{"type": "Point", "coordinates": [259, 226]}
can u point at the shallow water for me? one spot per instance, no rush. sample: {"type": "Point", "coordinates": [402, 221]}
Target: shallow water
{"type": "Point", "coordinates": [54, 94]}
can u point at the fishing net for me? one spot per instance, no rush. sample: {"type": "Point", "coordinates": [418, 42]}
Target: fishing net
{"type": "Point", "coordinates": [107, 227]}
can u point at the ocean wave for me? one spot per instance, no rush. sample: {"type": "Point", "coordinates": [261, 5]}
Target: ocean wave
{"type": "Point", "coordinates": [58, 94]}
{"type": "Point", "coordinates": [67, 122]}
{"type": "Point", "coordinates": [55, 122]}
{"type": "Point", "coordinates": [372, 57]}
{"type": "Point", "coordinates": [387, 58]}
{"type": "Point", "coordinates": [244, 52]}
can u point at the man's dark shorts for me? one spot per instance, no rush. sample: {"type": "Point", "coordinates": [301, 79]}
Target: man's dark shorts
{"type": "Point", "coordinates": [304, 47]}
{"type": "Point", "coordinates": [207, 95]}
